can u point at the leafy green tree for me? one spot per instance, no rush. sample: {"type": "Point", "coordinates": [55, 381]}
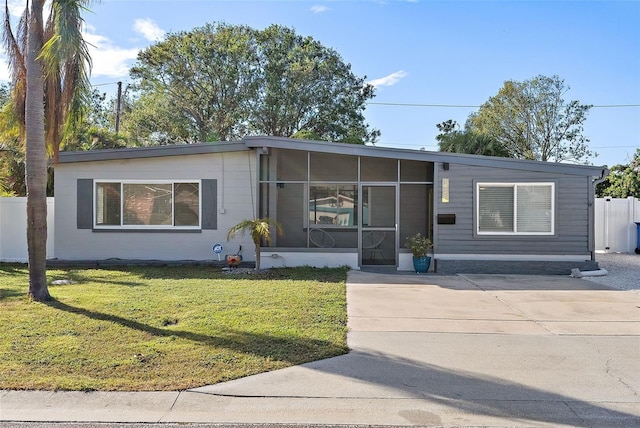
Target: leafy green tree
{"type": "Point", "coordinates": [305, 86]}
{"type": "Point", "coordinates": [532, 121]}
{"type": "Point", "coordinates": [197, 85]}
{"type": "Point", "coordinates": [151, 119]}
{"type": "Point", "coordinates": [97, 130]}
{"type": "Point", "coordinates": [100, 112]}
{"type": "Point", "coordinates": [92, 133]}
{"type": "Point", "coordinates": [12, 162]}
{"type": "Point", "coordinates": [49, 64]}
{"type": "Point", "coordinates": [223, 82]}
{"type": "Point", "coordinates": [11, 156]}
{"type": "Point", "coordinates": [623, 180]}
{"type": "Point", "coordinates": [452, 140]}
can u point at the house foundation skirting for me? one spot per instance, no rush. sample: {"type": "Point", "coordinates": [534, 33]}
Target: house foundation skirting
{"type": "Point", "coordinates": [290, 258]}
{"type": "Point", "coordinates": [445, 266]}
{"type": "Point", "coordinates": [521, 267]}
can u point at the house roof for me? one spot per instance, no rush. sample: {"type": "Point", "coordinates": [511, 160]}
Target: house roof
{"type": "Point", "coordinates": [423, 155]}
{"type": "Point", "coordinates": [151, 152]}
{"type": "Point", "coordinates": [329, 147]}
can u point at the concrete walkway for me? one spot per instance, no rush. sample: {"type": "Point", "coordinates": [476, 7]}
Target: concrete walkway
{"type": "Point", "coordinates": [427, 350]}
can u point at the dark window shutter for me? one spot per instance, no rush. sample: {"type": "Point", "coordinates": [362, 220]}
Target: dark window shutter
{"type": "Point", "coordinates": [84, 206]}
{"type": "Point", "coordinates": [209, 204]}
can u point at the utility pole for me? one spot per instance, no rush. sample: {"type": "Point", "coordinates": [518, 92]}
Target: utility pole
{"type": "Point", "coordinates": [118, 107]}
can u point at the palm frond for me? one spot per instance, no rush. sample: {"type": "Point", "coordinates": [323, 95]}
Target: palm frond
{"type": "Point", "coordinates": [67, 63]}
{"type": "Point", "coordinates": [14, 46]}
{"type": "Point", "coordinates": [11, 46]}
{"type": "Point", "coordinates": [259, 229]}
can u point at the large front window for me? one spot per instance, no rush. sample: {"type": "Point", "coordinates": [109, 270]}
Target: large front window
{"type": "Point", "coordinates": [154, 204]}
{"type": "Point", "coordinates": [515, 208]}
{"type": "Point", "coordinates": [333, 204]}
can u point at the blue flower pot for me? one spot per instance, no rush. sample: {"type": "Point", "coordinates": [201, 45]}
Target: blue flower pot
{"type": "Point", "coordinates": [421, 264]}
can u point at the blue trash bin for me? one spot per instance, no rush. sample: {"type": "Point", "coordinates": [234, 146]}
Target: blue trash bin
{"type": "Point", "coordinates": [638, 238]}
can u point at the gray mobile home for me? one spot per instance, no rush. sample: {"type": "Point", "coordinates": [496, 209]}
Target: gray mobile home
{"type": "Point", "coordinates": [339, 204]}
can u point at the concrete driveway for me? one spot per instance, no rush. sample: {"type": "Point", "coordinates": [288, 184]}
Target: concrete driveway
{"type": "Point", "coordinates": [472, 350]}
{"type": "Point", "coordinates": [427, 350]}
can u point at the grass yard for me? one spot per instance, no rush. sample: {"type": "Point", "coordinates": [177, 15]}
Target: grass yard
{"type": "Point", "coordinates": [165, 328]}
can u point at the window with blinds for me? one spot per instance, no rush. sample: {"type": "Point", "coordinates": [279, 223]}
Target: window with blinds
{"type": "Point", "coordinates": [515, 208]}
{"type": "Point", "coordinates": [155, 204]}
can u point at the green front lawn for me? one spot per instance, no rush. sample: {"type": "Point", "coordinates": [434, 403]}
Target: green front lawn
{"type": "Point", "coordinates": [165, 328]}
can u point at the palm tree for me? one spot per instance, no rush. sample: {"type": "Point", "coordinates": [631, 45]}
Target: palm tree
{"type": "Point", "coordinates": [49, 66]}
{"type": "Point", "coordinates": [259, 228]}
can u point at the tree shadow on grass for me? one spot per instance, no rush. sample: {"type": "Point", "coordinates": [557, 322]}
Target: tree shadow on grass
{"type": "Point", "coordinates": [78, 277]}
{"type": "Point", "coordinates": [8, 293]}
{"type": "Point", "coordinates": [331, 275]}
{"type": "Point", "coordinates": [13, 269]}
{"type": "Point", "coordinates": [291, 350]}
{"type": "Point", "coordinates": [180, 271]}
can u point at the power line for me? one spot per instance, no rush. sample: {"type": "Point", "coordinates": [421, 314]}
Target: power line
{"type": "Point", "coordinates": [614, 147]}
{"type": "Point", "coordinates": [617, 105]}
{"type": "Point", "coordinates": [105, 84]}
{"type": "Point", "coordinates": [384, 143]}
{"type": "Point", "coordinates": [423, 105]}
{"type": "Point", "coordinates": [474, 106]}
{"type": "Point", "coordinates": [439, 105]}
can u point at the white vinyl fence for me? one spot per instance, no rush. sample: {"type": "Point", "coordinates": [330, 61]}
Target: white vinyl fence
{"type": "Point", "coordinates": [614, 225]}
{"type": "Point", "coordinates": [616, 231]}
{"type": "Point", "coordinates": [13, 229]}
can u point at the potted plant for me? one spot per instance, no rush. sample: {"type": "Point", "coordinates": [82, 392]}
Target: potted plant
{"type": "Point", "coordinates": [419, 246]}
{"type": "Point", "coordinates": [259, 229]}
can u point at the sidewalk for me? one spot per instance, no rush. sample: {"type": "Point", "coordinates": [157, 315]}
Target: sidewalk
{"type": "Point", "coordinates": [427, 350]}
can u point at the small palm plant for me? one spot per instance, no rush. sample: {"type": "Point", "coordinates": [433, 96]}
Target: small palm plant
{"type": "Point", "coordinates": [259, 229]}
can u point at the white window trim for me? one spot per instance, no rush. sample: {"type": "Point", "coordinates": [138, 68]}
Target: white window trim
{"type": "Point", "coordinates": [515, 208]}
{"type": "Point", "coordinates": [143, 226]}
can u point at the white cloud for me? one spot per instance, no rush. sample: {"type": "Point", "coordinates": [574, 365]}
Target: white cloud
{"type": "Point", "coordinates": [319, 8]}
{"type": "Point", "coordinates": [389, 80]}
{"type": "Point", "coordinates": [148, 29]}
{"type": "Point", "coordinates": [5, 76]}
{"type": "Point", "coordinates": [16, 7]}
{"type": "Point", "coordinates": [108, 60]}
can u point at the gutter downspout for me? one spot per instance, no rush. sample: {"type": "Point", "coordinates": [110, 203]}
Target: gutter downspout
{"type": "Point", "coordinates": [592, 211]}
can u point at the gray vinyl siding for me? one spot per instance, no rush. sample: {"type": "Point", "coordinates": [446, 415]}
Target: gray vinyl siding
{"type": "Point", "coordinates": [227, 198]}
{"type": "Point", "coordinates": [571, 214]}
{"type": "Point", "coordinates": [228, 175]}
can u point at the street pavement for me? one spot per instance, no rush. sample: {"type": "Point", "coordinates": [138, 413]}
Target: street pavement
{"type": "Point", "coordinates": [426, 350]}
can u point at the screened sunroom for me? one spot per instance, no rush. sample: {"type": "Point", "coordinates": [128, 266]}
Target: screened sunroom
{"type": "Point", "coordinates": [345, 203]}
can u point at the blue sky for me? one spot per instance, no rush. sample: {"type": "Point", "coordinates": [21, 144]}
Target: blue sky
{"type": "Point", "coordinates": [428, 54]}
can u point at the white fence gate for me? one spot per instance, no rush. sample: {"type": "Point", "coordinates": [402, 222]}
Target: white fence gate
{"type": "Point", "coordinates": [615, 227]}
{"type": "Point", "coordinates": [13, 229]}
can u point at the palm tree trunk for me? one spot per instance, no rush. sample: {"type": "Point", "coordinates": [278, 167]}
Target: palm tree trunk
{"type": "Point", "coordinates": [36, 158]}
{"type": "Point", "coordinates": [258, 256]}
